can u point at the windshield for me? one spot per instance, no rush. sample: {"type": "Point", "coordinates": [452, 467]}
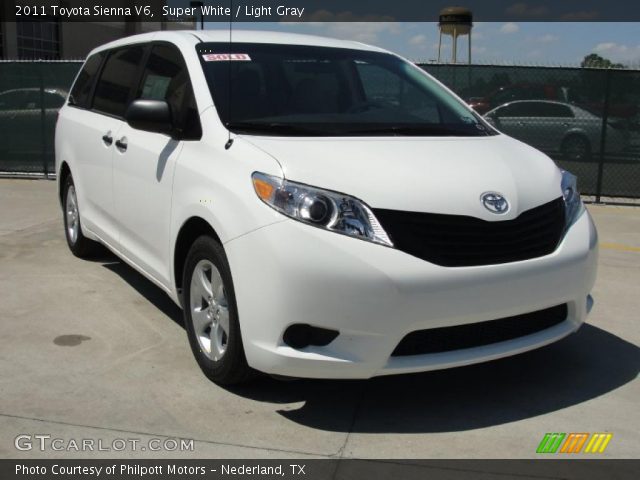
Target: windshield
{"type": "Point", "coordinates": [298, 90]}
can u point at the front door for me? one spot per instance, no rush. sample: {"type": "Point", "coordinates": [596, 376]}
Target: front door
{"type": "Point", "coordinates": [144, 163]}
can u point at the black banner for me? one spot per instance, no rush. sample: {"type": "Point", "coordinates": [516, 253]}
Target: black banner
{"type": "Point", "coordinates": [588, 469]}
{"type": "Point", "coordinates": [319, 10]}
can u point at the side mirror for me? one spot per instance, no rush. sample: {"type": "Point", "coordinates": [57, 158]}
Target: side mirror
{"type": "Point", "coordinates": [150, 116]}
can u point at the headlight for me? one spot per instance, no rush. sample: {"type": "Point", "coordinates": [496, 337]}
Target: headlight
{"type": "Point", "coordinates": [572, 203]}
{"type": "Point", "coordinates": [321, 208]}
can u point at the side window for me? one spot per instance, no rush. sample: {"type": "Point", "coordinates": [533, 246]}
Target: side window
{"type": "Point", "coordinates": [520, 109]}
{"type": "Point", "coordinates": [118, 79]}
{"type": "Point", "coordinates": [12, 100]}
{"type": "Point", "coordinates": [31, 100]}
{"type": "Point", "coordinates": [86, 78]}
{"type": "Point", "coordinates": [555, 110]}
{"type": "Point", "coordinates": [166, 78]}
{"type": "Point", "coordinates": [53, 100]}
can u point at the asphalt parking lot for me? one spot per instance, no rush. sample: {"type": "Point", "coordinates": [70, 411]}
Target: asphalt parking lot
{"type": "Point", "coordinates": [90, 349]}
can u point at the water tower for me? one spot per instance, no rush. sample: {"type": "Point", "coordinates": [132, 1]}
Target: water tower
{"type": "Point", "coordinates": [455, 22]}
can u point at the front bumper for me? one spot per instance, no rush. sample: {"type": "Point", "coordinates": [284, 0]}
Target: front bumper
{"type": "Point", "coordinates": [289, 273]}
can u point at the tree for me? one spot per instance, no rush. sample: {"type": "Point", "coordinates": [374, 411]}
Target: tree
{"type": "Point", "coordinates": [593, 60]}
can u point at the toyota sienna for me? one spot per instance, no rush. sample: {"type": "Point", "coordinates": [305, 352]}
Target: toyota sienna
{"type": "Point", "coordinates": [319, 208]}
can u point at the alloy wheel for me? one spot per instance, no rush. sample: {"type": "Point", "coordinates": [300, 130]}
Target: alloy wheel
{"type": "Point", "coordinates": [72, 216]}
{"type": "Point", "coordinates": [209, 310]}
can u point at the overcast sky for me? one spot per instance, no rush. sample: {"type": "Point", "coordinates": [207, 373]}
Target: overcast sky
{"type": "Point", "coordinates": [544, 43]}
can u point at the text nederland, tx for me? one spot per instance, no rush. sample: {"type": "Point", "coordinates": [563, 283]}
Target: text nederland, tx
{"type": "Point", "coordinates": [171, 469]}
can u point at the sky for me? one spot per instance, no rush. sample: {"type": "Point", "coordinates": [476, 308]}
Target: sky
{"type": "Point", "coordinates": [529, 43]}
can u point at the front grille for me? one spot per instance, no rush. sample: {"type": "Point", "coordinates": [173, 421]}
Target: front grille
{"type": "Point", "coordinates": [461, 241]}
{"type": "Point", "coordinates": [446, 339]}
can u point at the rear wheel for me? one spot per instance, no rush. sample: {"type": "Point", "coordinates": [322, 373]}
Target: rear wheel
{"type": "Point", "coordinates": [576, 148]}
{"type": "Point", "coordinates": [79, 245]}
{"type": "Point", "coordinates": [210, 314]}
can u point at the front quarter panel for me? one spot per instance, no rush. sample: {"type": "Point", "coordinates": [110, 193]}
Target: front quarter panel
{"type": "Point", "coordinates": [214, 183]}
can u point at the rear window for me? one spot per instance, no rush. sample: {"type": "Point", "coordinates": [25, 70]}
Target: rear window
{"type": "Point", "coordinates": [534, 109]}
{"type": "Point", "coordinates": [81, 91]}
{"type": "Point", "coordinates": [117, 81]}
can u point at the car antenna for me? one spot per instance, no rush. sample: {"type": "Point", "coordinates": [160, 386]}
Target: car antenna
{"type": "Point", "coordinates": [227, 145]}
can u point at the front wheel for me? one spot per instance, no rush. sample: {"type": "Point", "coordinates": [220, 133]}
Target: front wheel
{"type": "Point", "coordinates": [79, 245]}
{"type": "Point", "coordinates": [210, 314]}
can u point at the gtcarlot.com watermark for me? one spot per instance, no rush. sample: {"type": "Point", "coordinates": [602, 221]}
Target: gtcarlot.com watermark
{"type": "Point", "coordinates": [45, 443]}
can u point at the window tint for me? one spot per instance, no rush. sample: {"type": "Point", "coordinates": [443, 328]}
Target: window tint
{"type": "Point", "coordinates": [31, 100]}
{"type": "Point", "coordinates": [305, 90]}
{"type": "Point", "coordinates": [516, 110]}
{"type": "Point", "coordinates": [554, 110]}
{"type": "Point", "coordinates": [117, 81]}
{"type": "Point", "coordinates": [383, 87]}
{"type": "Point", "coordinates": [535, 109]}
{"type": "Point", "coordinates": [12, 100]}
{"type": "Point", "coordinates": [166, 77]}
{"type": "Point", "coordinates": [86, 78]}
{"type": "Point", "coordinates": [53, 99]}
{"type": "Point", "coordinates": [318, 86]}
{"type": "Point", "coordinates": [378, 84]}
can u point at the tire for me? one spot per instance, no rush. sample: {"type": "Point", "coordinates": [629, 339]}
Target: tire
{"type": "Point", "coordinates": [576, 148]}
{"type": "Point", "coordinates": [79, 245]}
{"type": "Point", "coordinates": [211, 314]}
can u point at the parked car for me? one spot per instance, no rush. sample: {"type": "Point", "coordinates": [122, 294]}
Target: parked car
{"type": "Point", "coordinates": [518, 91]}
{"type": "Point", "coordinates": [540, 91]}
{"type": "Point", "coordinates": [558, 128]}
{"type": "Point", "coordinates": [319, 208]}
{"type": "Point", "coordinates": [21, 127]}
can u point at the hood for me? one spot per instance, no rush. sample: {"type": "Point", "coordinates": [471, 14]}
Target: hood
{"type": "Point", "coordinates": [439, 175]}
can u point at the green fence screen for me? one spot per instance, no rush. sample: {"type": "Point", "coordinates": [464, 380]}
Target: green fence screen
{"type": "Point", "coordinates": [30, 95]}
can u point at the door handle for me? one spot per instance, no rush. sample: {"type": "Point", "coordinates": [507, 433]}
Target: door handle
{"type": "Point", "coordinates": [122, 144]}
{"type": "Point", "coordinates": [107, 139]}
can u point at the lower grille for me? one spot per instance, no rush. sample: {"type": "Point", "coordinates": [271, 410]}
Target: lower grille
{"type": "Point", "coordinates": [446, 339]}
{"type": "Point", "coordinates": [462, 241]}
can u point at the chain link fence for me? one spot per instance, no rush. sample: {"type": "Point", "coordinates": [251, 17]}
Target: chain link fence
{"type": "Point", "coordinates": [587, 120]}
{"type": "Point", "coordinates": [31, 93]}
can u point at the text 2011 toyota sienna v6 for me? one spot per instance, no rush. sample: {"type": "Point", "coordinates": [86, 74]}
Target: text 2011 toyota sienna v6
{"type": "Point", "coordinates": [319, 208]}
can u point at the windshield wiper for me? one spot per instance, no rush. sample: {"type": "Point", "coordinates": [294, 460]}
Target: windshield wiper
{"type": "Point", "coordinates": [416, 130]}
{"type": "Point", "coordinates": [273, 128]}
{"type": "Point", "coordinates": [323, 130]}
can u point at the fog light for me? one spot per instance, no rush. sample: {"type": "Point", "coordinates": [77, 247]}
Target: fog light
{"type": "Point", "coordinates": [302, 335]}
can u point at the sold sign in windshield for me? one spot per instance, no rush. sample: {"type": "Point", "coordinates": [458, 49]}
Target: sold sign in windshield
{"type": "Point", "coordinates": [223, 57]}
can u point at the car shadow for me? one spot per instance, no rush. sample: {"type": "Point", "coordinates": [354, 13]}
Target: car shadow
{"type": "Point", "coordinates": [144, 287]}
{"type": "Point", "coordinates": [581, 367]}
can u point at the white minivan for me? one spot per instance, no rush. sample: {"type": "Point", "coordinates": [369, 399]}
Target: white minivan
{"type": "Point", "coordinates": [319, 208]}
